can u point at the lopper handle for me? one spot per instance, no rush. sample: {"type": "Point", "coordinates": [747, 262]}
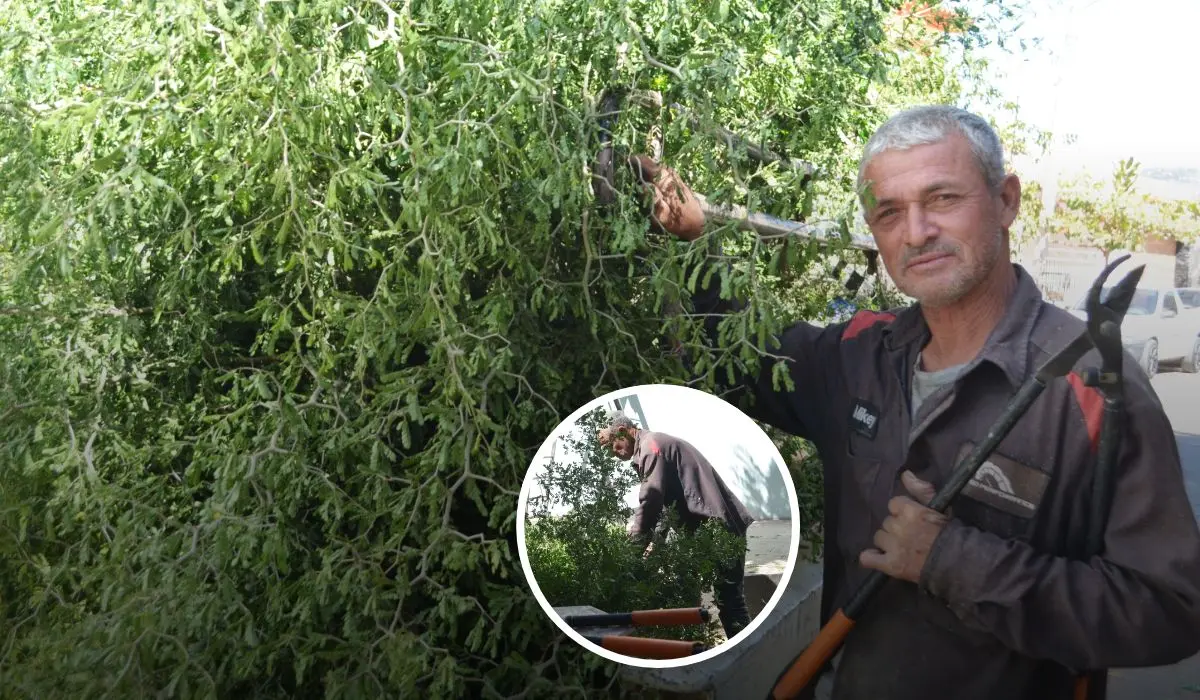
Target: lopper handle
{"type": "Point", "coordinates": [641, 618]}
{"type": "Point", "coordinates": [806, 666]}
{"type": "Point", "coordinates": [1091, 686]}
{"type": "Point", "coordinates": [645, 648]}
{"type": "Point", "coordinates": [672, 616]}
{"type": "Point", "coordinates": [1102, 487]}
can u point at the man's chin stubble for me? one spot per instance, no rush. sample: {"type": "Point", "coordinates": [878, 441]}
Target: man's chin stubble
{"type": "Point", "coordinates": [937, 295]}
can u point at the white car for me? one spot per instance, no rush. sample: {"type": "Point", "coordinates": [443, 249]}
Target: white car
{"type": "Point", "coordinates": [1189, 297]}
{"type": "Point", "coordinates": [1162, 325]}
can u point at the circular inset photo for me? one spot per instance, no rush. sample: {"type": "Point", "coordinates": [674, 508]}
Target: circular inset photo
{"type": "Point", "coordinates": [658, 526]}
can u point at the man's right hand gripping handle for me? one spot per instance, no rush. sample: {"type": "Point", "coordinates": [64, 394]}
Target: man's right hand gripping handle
{"type": "Point", "coordinates": [675, 208]}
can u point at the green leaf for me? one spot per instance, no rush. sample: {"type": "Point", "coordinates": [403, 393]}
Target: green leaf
{"type": "Point", "coordinates": [258, 257]}
{"type": "Point", "coordinates": [260, 384]}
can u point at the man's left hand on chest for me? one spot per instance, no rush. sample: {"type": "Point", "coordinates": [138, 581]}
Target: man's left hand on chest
{"type": "Point", "coordinates": [903, 543]}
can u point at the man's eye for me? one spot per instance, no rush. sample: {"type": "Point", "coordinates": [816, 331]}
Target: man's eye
{"type": "Point", "coordinates": [885, 214]}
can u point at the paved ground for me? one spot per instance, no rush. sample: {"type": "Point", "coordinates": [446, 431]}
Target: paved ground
{"type": "Point", "coordinates": [767, 545]}
{"type": "Point", "coordinates": [1180, 394]}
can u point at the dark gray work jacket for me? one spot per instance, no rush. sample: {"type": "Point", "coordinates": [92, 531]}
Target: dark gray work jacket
{"type": "Point", "coordinates": [676, 475]}
{"type": "Point", "coordinates": [1005, 608]}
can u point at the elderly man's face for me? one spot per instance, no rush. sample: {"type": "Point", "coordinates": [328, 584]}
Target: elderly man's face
{"type": "Point", "coordinates": [938, 226]}
{"type": "Point", "coordinates": [618, 442]}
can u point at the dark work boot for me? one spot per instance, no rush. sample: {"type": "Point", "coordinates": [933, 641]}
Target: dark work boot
{"type": "Point", "coordinates": [730, 597]}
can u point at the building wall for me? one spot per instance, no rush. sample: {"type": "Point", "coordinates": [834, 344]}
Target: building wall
{"type": "Point", "coordinates": [1156, 245]}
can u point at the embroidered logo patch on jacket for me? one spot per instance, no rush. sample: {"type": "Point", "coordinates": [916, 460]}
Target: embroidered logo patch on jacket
{"type": "Point", "coordinates": [1006, 484]}
{"type": "Point", "coordinates": [864, 419]}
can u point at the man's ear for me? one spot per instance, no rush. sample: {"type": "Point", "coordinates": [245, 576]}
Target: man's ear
{"type": "Point", "coordinates": [1010, 200]}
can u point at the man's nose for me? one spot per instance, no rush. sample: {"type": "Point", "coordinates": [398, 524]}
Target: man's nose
{"type": "Point", "coordinates": [918, 228]}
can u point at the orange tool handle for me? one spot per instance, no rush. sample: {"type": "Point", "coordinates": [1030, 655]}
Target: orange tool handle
{"type": "Point", "coordinates": [1086, 683]}
{"type": "Point", "coordinates": [806, 666]}
{"type": "Point", "coordinates": [670, 616]}
{"type": "Point", "coordinates": [645, 648]}
{"type": "Point", "coordinates": [1081, 688]}
{"type": "Point", "coordinates": [641, 618]}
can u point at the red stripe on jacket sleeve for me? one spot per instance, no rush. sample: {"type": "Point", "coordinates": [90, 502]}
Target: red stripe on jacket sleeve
{"type": "Point", "coordinates": [864, 320]}
{"type": "Point", "coordinates": [1091, 402]}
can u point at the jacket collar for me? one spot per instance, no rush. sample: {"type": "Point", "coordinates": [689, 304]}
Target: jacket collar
{"type": "Point", "coordinates": [1006, 346]}
{"type": "Point", "coordinates": [639, 448]}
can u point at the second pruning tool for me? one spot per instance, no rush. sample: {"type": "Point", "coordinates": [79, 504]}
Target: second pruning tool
{"type": "Point", "coordinates": [1104, 327]}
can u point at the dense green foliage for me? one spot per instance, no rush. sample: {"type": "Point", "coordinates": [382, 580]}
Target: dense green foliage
{"type": "Point", "coordinates": [291, 292]}
{"type": "Point", "coordinates": [583, 556]}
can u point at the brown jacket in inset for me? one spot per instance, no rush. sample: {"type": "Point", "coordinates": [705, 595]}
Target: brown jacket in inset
{"type": "Point", "coordinates": [1008, 605]}
{"type": "Point", "coordinates": [675, 474]}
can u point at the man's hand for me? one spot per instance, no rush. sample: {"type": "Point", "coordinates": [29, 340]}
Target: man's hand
{"type": "Point", "coordinates": [903, 544]}
{"type": "Point", "coordinates": [676, 209]}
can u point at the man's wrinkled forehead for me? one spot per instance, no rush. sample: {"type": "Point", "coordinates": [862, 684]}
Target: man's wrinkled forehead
{"type": "Point", "coordinates": [927, 167]}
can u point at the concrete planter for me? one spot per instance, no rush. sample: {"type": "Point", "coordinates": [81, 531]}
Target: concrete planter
{"type": "Point", "coordinates": [749, 669]}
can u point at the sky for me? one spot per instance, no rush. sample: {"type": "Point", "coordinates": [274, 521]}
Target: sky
{"type": "Point", "coordinates": [1122, 80]}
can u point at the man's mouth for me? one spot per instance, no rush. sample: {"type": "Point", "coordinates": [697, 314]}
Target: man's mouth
{"type": "Point", "coordinates": [922, 262]}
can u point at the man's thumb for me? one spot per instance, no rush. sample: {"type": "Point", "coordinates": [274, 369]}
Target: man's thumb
{"type": "Point", "coordinates": [872, 559]}
{"type": "Point", "coordinates": [922, 491]}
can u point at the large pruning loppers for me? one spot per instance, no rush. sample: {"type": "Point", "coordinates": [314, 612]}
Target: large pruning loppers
{"type": "Point", "coordinates": [1103, 332]}
{"type": "Point", "coordinates": [643, 647]}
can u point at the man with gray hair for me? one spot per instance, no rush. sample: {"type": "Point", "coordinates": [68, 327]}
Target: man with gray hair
{"type": "Point", "coordinates": [675, 475]}
{"type": "Point", "coordinates": [997, 600]}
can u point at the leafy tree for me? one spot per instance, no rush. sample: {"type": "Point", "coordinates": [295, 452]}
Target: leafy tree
{"type": "Point", "coordinates": [292, 291]}
{"type": "Point", "coordinates": [1107, 216]}
{"type": "Point", "coordinates": [1174, 218]}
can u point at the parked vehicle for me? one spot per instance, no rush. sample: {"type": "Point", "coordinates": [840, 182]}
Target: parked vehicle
{"type": "Point", "coordinates": [1189, 297]}
{"type": "Point", "coordinates": [1162, 325]}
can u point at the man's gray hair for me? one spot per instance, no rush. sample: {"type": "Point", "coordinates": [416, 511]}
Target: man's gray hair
{"type": "Point", "coordinates": [620, 422]}
{"type": "Point", "coordinates": [920, 126]}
